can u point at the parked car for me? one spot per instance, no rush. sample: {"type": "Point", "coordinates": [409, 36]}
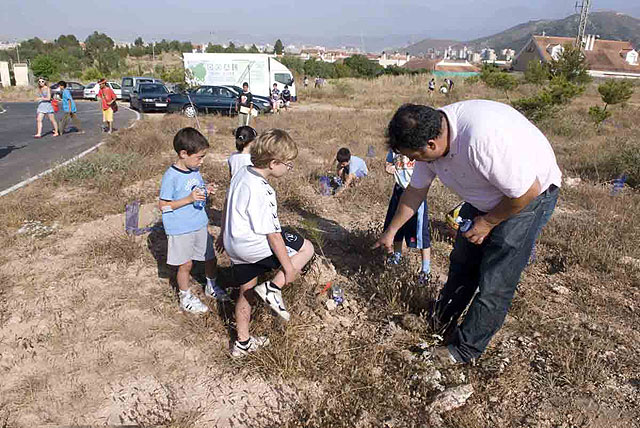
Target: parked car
{"type": "Point", "coordinates": [129, 84]}
{"type": "Point", "coordinates": [149, 97]}
{"type": "Point", "coordinates": [208, 99]}
{"type": "Point", "coordinates": [77, 89]}
{"type": "Point", "coordinates": [257, 99]}
{"type": "Point", "coordinates": [92, 89]}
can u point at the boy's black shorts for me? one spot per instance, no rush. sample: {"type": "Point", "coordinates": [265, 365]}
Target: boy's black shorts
{"type": "Point", "coordinates": [243, 273]}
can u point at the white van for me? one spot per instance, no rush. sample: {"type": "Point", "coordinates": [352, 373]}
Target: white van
{"type": "Point", "coordinates": [261, 71]}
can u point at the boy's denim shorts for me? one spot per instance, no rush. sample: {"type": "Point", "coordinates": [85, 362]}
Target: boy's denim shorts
{"type": "Point", "coordinates": [196, 245]}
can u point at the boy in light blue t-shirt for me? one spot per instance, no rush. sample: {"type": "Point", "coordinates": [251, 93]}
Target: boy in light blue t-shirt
{"type": "Point", "coordinates": [350, 168]}
{"type": "Point", "coordinates": [185, 220]}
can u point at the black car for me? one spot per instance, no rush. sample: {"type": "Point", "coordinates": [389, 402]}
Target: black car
{"type": "Point", "coordinates": [208, 99]}
{"type": "Point", "coordinates": [77, 90]}
{"type": "Point", "coordinates": [150, 97]}
{"type": "Point", "coordinates": [257, 99]}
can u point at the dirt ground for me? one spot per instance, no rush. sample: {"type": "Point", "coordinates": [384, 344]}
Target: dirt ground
{"type": "Point", "coordinates": [91, 332]}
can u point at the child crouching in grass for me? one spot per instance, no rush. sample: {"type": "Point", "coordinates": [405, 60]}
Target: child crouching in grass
{"type": "Point", "coordinates": [185, 222]}
{"type": "Point", "coordinates": [253, 237]}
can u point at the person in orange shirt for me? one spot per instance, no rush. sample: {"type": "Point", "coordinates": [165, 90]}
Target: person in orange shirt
{"type": "Point", "coordinates": [108, 98]}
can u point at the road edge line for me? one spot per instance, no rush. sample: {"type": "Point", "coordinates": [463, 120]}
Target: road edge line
{"type": "Point", "coordinates": [65, 163]}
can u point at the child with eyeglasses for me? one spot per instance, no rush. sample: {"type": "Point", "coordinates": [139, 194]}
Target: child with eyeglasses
{"type": "Point", "coordinates": [254, 239]}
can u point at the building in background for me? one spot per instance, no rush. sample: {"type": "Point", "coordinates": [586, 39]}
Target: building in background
{"type": "Point", "coordinates": [606, 58]}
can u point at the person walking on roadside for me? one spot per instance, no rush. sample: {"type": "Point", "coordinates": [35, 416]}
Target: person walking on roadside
{"type": "Point", "coordinates": [69, 109]}
{"type": "Point", "coordinates": [244, 106]}
{"type": "Point", "coordinates": [108, 98]}
{"type": "Point", "coordinates": [44, 108]}
{"type": "Point", "coordinates": [506, 171]}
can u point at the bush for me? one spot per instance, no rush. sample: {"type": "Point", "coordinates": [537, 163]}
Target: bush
{"type": "Point", "coordinates": [536, 73]}
{"type": "Point", "coordinates": [472, 80]}
{"type": "Point", "coordinates": [548, 101]}
{"type": "Point", "coordinates": [615, 92]}
{"type": "Point", "coordinates": [571, 64]}
{"type": "Point", "coordinates": [501, 81]}
{"type": "Point", "coordinates": [91, 74]}
{"type": "Point", "coordinates": [599, 114]}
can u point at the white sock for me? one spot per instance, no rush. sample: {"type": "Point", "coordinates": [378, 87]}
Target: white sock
{"type": "Point", "coordinates": [184, 293]}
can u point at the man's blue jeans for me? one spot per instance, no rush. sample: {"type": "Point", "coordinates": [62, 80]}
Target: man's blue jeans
{"type": "Point", "coordinates": [494, 269]}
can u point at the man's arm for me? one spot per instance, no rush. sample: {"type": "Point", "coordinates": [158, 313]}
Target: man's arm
{"type": "Point", "coordinates": [408, 205]}
{"type": "Point", "coordinates": [508, 207]}
{"type": "Point", "coordinates": [280, 251]}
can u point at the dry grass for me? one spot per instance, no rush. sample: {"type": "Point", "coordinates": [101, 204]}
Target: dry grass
{"type": "Point", "coordinates": [17, 94]}
{"type": "Point", "coordinates": [90, 333]}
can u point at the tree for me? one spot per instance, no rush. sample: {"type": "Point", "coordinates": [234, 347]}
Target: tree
{"type": "Point", "coordinates": [67, 42]}
{"type": "Point", "coordinates": [44, 66]}
{"type": "Point", "coordinates": [186, 47]}
{"type": "Point", "coordinates": [612, 92]}
{"type": "Point", "coordinates": [362, 66]}
{"type": "Point", "coordinates": [254, 49]}
{"type": "Point", "coordinates": [501, 81]}
{"type": "Point", "coordinates": [572, 64]}
{"type": "Point", "coordinates": [231, 48]}
{"type": "Point", "coordinates": [278, 48]}
{"type": "Point", "coordinates": [215, 49]}
{"type": "Point", "coordinates": [536, 73]}
{"type": "Point", "coordinates": [99, 49]}
{"type": "Point", "coordinates": [138, 42]}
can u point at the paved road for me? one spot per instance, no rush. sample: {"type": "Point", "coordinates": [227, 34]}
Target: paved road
{"type": "Point", "coordinates": [22, 156]}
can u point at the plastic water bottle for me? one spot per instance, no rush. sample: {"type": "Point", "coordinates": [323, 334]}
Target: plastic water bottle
{"type": "Point", "coordinates": [618, 184]}
{"type": "Point", "coordinates": [325, 186]}
{"type": "Point", "coordinates": [203, 191]}
{"type": "Point", "coordinates": [464, 224]}
{"type": "Point", "coordinates": [337, 294]}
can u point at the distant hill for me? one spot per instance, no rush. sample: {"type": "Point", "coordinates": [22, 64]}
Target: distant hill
{"type": "Point", "coordinates": [424, 45]}
{"type": "Point", "coordinates": [608, 25]}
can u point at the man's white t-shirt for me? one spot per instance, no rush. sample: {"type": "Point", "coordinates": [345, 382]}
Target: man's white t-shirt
{"type": "Point", "coordinates": [237, 160]}
{"type": "Point", "coordinates": [252, 214]}
{"type": "Point", "coordinates": [494, 152]}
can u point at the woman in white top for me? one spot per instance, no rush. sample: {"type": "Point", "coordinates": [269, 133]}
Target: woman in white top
{"type": "Point", "coordinates": [245, 135]}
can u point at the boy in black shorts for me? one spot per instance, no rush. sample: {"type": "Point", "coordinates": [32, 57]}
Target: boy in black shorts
{"type": "Point", "coordinates": [253, 238]}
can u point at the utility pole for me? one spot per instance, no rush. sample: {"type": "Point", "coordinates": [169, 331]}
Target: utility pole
{"type": "Point", "coordinates": [153, 57]}
{"type": "Point", "coordinates": [583, 8]}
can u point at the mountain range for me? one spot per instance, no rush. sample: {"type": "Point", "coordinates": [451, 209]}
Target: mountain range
{"type": "Point", "coordinates": [607, 25]}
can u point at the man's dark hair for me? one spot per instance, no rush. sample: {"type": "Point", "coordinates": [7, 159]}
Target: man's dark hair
{"type": "Point", "coordinates": [344, 155]}
{"type": "Point", "coordinates": [412, 126]}
{"type": "Point", "coordinates": [189, 139]}
{"type": "Point", "coordinates": [245, 84]}
{"type": "Point", "coordinates": [62, 84]}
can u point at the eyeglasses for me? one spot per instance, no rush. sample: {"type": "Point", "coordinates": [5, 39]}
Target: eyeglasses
{"type": "Point", "coordinates": [289, 165]}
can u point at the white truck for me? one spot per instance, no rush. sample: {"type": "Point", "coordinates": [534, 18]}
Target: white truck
{"type": "Point", "coordinates": [261, 71]}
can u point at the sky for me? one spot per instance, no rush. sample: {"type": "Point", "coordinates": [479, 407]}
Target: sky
{"type": "Point", "coordinates": [258, 21]}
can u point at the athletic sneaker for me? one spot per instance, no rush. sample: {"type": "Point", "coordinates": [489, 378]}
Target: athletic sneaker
{"type": "Point", "coordinates": [191, 303]}
{"type": "Point", "coordinates": [216, 292]}
{"type": "Point", "coordinates": [424, 278]}
{"type": "Point", "coordinates": [272, 295]}
{"type": "Point", "coordinates": [255, 343]}
{"type": "Point", "coordinates": [442, 356]}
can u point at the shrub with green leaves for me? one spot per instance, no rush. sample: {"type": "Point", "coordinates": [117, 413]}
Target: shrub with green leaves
{"type": "Point", "coordinates": [502, 81]}
{"type": "Point", "coordinates": [548, 101]}
{"type": "Point", "coordinates": [570, 64]}
{"type": "Point", "coordinates": [612, 92]}
{"type": "Point", "coordinates": [536, 73]}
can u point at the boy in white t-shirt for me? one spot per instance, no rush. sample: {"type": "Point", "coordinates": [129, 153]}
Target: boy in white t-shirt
{"type": "Point", "coordinates": [245, 135]}
{"type": "Point", "coordinates": [253, 237]}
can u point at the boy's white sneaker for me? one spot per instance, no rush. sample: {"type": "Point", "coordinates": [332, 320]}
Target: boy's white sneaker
{"type": "Point", "coordinates": [255, 343]}
{"type": "Point", "coordinates": [191, 303]}
{"type": "Point", "coordinates": [216, 292]}
{"type": "Point", "coordinates": [272, 295]}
